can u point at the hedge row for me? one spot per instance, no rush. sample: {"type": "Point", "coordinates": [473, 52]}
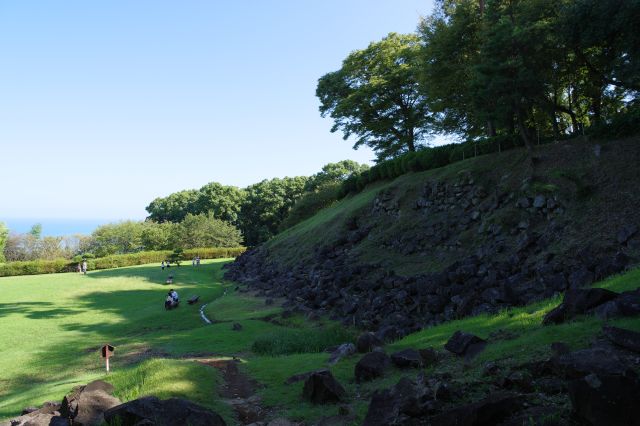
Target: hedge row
{"type": "Point", "coordinates": [35, 267]}
{"type": "Point", "coordinates": [427, 159]}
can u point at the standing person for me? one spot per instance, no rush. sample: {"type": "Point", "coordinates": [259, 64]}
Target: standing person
{"type": "Point", "coordinates": [198, 261]}
{"type": "Point", "coordinates": [162, 265]}
{"type": "Point", "coordinates": [84, 267]}
{"type": "Point", "coordinates": [193, 262]}
{"type": "Point", "coordinates": [79, 268]}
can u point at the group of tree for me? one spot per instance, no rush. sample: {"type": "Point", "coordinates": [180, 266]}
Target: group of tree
{"type": "Point", "coordinates": [260, 210]}
{"type": "Point", "coordinates": [484, 68]}
{"type": "Point", "coordinates": [194, 231]}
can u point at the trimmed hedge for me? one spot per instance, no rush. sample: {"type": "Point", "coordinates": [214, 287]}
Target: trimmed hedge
{"type": "Point", "coordinates": [427, 159]}
{"type": "Point", "coordinates": [36, 267]}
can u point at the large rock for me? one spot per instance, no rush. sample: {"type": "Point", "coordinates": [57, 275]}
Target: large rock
{"type": "Point", "coordinates": [396, 405]}
{"type": "Point", "coordinates": [407, 358]}
{"type": "Point", "coordinates": [367, 341]}
{"type": "Point", "coordinates": [578, 302]}
{"type": "Point", "coordinates": [371, 366]}
{"type": "Point", "coordinates": [627, 339]}
{"type": "Point", "coordinates": [489, 411]}
{"type": "Point", "coordinates": [342, 351]}
{"type": "Point", "coordinates": [607, 399]}
{"type": "Point", "coordinates": [577, 364]}
{"type": "Point", "coordinates": [85, 405]}
{"type": "Point", "coordinates": [153, 411]}
{"type": "Point", "coordinates": [37, 418]}
{"type": "Point", "coordinates": [465, 344]}
{"type": "Point", "coordinates": [321, 388]}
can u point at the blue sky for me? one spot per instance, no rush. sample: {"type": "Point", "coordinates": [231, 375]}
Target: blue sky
{"type": "Point", "coordinates": [106, 105]}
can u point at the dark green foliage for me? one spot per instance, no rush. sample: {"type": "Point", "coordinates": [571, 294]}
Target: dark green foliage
{"type": "Point", "coordinates": [285, 342]}
{"type": "Point", "coordinates": [626, 123]}
{"type": "Point", "coordinates": [204, 230]}
{"type": "Point", "coordinates": [375, 97]}
{"type": "Point", "coordinates": [268, 204]}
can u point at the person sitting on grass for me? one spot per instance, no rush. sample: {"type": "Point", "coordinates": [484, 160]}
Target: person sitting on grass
{"type": "Point", "coordinates": [174, 295]}
{"type": "Point", "coordinates": [168, 302]}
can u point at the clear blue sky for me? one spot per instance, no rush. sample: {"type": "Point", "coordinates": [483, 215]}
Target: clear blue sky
{"type": "Point", "coordinates": [106, 105]}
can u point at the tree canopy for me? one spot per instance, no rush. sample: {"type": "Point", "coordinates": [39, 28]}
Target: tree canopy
{"type": "Point", "coordinates": [375, 97]}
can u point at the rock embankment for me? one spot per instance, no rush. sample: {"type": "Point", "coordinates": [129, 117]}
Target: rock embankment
{"type": "Point", "coordinates": [498, 248]}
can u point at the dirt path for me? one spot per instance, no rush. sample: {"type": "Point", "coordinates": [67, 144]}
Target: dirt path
{"type": "Point", "coordinates": [238, 390]}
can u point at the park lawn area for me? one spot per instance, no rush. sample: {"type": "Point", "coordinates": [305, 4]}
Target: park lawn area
{"type": "Point", "coordinates": [51, 327]}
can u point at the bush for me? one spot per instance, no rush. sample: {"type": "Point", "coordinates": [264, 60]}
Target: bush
{"type": "Point", "coordinates": [626, 123]}
{"type": "Point", "coordinates": [36, 267]}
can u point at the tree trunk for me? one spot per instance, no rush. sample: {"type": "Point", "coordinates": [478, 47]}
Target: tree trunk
{"type": "Point", "coordinates": [491, 129]}
{"type": "Point", "coordinates": [522, 130]}
{"type": "Point", "coordinates": [411, 140]}
{"type": "Point", "coordinates": [554, 122]}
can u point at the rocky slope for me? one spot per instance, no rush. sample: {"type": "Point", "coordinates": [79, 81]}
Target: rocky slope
{"type": "Point", "coordinates": [474, 237]}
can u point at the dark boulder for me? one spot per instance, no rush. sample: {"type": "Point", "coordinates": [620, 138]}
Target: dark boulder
{"type": "Point", "coordinates": [367, 341]}
{"type": "Point", "coordinates": [321, 388]}
{"type": "Point", "coordinates": [627, 339]}
{"type": "Point", "coordinates": [605, 399]}
{"type": "Point", "coordinates": [578, 302]}
{"type": "Point", "coordinates": [580, 363]}
{"type": "Point", "coordinates": [429, 356]}
{"type": "Point", "coordinates": [626, 232]}
{"type": "Point", "coordinates": [397, 405]}
{"type": "Point", "coordinates": [341, 351]}
{"type": "Point", "coordinates": [465, 344]}
{"type": "Point", "coordinates": [153, 411]}
{"type": "Point", "coordinates": [371, 366]}
{"type": "Point", "coordinates": [86, 404]}
{"type": "Point", "coordinates": [489, 411]}
{"type": "Point", "coordinates": [407, 358]}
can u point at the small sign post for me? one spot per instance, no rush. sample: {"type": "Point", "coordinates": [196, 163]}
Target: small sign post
{"type": "Point", "coordinates": [107, 352]}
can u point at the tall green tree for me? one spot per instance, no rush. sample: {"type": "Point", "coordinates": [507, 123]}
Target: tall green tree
{"type": "Point", "coordinates": [174, 207]}
{"type": "Point", "coordinates": [267, 204]}
{"type": "Point", "coordinates": [375, 97]}
{"type": "Point", "coordinates": [334, 173]}
{"type": "Point", "coordinates": [4, 234]}
{"type": "Point", "coordinates": [223, 202]}
{"type": "Point", "coordinates": [205, 230]}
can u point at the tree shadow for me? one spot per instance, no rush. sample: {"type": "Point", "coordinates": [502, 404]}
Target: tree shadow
{"type": "Point", "coordinates": [35, 310]}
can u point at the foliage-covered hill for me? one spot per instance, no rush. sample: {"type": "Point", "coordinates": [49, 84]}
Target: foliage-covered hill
{"type": "Point", "coordinates": [473, 237]}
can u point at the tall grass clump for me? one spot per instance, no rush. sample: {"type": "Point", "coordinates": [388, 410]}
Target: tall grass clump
{"type": "Point", "coordinates": [285, 342]}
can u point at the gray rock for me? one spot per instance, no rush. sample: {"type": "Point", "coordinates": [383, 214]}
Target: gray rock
{"type": "Point", "coordinates": [539, 201]}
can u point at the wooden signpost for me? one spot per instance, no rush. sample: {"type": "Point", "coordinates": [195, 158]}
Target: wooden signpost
{"type": "Point", "coordinates": [107, 352]}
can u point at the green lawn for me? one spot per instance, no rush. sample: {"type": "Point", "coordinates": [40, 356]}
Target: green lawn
{"type": "Point", "coordinates": [51, 327]}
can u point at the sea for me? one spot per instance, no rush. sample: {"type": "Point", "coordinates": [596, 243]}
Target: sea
{"type": "Point", "coordinates": [55, 227]}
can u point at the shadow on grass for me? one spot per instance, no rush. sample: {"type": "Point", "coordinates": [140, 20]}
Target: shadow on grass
{"type": "Point", "coordinates": [35, 310]}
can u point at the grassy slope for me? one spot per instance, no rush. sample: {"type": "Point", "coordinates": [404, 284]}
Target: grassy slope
{"type": "Point", "coordinates": [598, 193]}
{"type": "Point", "coordinates": [50, 327]}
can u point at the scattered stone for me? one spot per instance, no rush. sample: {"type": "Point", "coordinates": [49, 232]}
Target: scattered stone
{"type": "Point", "coordinates": [539, 201]}
{"type": "Point", "coordinates": [321, 388]}
{"type": "Point", "coordinates": [342, 351]}
{"type": "Point", "coordinates": [396, 405]}
{"type": "Point", "coordinates": [580, 363]}
{"type": "Point", "coordinates": [153, 411]}
{"type": "Point", "coordinates": [298, 378]}
{"type": "Point", "coordinates": [627, 339]}
{"type": "Point", "coordinates": [578, 302]}
{"type": "Point", "coordinates": [236, 326]}
{"type": "Point", "coordinates": [429, 356]}
{"type": "Point", "coordinates": [86, 404]}
{"type": "Point", "coordinates": [626, 232]}
{"type": "Point", "coordinates": [371, 366]}
{"type": "Point", "coordinates": [367, 341]}
{"type": "Point", "coordinates": [489, 411]}
{"type": "Point", "coordinates": [560, 348]}
{"type": "Point", "coordinates": [465, 344]}
{"type": "Point", "coordinates": [607, 399]}
{"type": "Point", "coordinates": [407, 358]}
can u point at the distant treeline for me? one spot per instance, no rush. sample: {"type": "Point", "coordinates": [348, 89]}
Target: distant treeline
{"type": "Point", "coordinates": [36, 267]}
{"type": "Point", "coordinates": [261, 210]}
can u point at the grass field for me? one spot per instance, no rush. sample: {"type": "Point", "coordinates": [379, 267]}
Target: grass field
{"type": "Point", "coordinates": [51, 327]}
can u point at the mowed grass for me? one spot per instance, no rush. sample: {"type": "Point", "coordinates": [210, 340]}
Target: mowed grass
{"type": "Point", "coordinates": [51, 327]}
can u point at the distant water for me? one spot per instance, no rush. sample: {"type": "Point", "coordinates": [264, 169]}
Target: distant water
{"type": "Point", "coordinates": [55, 227]}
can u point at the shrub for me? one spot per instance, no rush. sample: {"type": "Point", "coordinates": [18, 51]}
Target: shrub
{"type": "Point", "coordinates": [35, 267]}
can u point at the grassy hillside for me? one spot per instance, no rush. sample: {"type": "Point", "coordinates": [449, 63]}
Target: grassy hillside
{"type": "Point", "coordinates": [597, 192]}
{"type": "Point", "coordinates": [51, 327]}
